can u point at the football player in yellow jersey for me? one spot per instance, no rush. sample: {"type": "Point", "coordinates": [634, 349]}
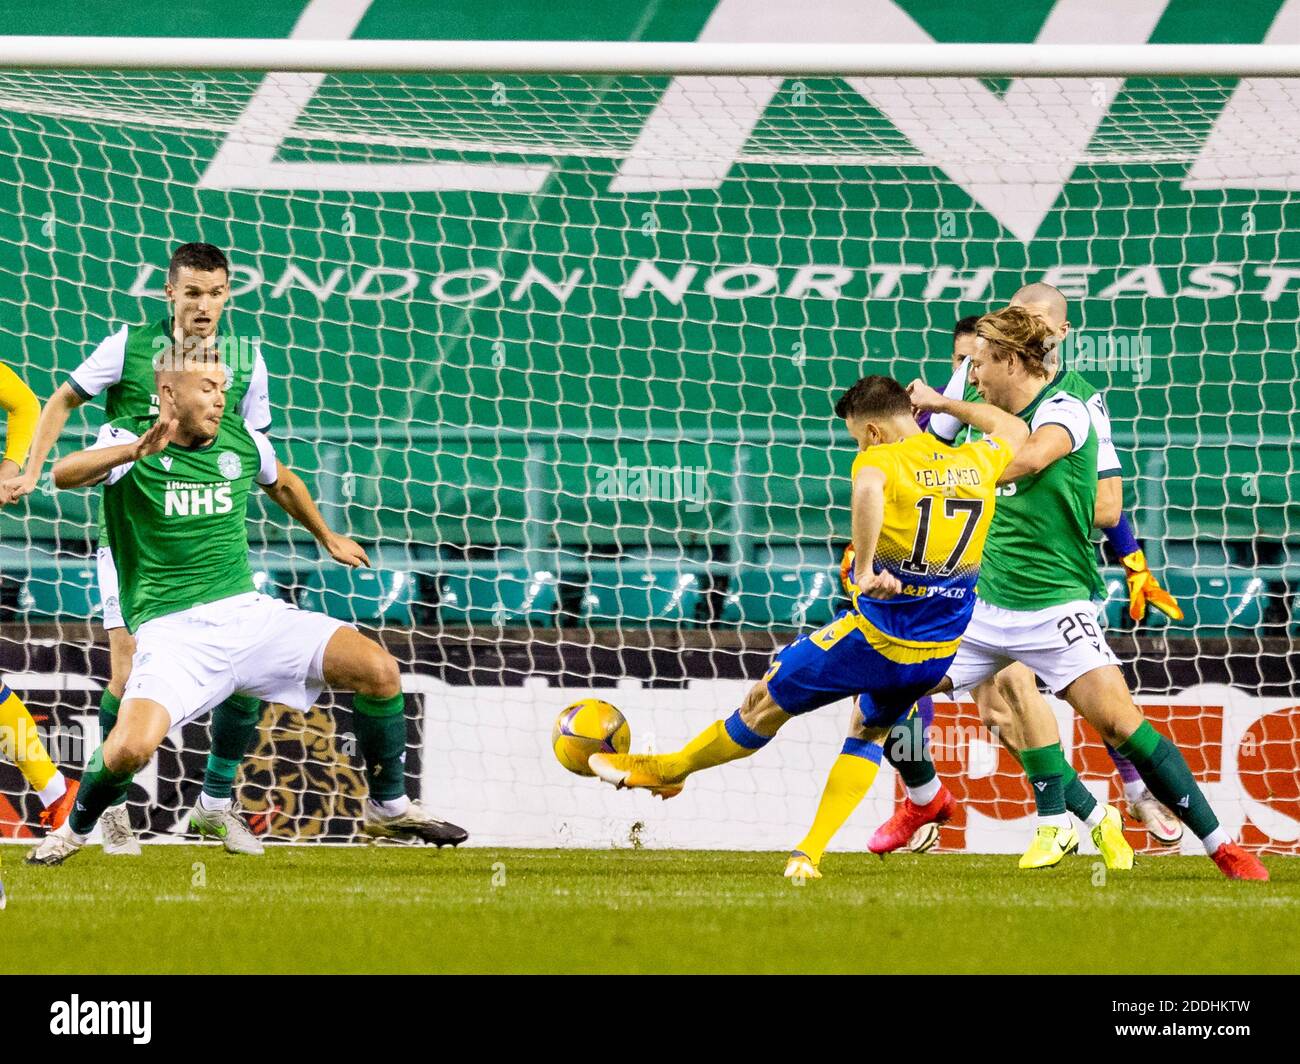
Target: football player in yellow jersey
{"type": "Point", "coordinates": [920, 512]}
{"type": "Point", "coordinates": [19, 740]}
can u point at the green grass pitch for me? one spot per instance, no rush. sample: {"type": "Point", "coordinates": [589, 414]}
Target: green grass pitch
{"type": "Point", "coordinates": [401, 909]}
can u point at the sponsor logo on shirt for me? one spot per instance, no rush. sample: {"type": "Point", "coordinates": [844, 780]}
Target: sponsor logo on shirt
{"type": "Point", "coordinates": [181, 499]}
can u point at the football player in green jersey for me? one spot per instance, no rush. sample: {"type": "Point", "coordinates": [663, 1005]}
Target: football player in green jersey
{"type": "Point", "coordinates": [1013, 693]}
{"type": "Point", "coordinates": [121, 368]}
{"type": "Point", "coordinates": [1038, 592]}
{"type": "Point", "coordinates": [176, 501]}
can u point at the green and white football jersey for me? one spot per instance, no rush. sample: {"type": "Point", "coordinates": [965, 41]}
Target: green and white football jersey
{"type": "Point", "coordinates": [121, 368]}
{"type": "Point", "coordinates": [1039, 551]}
{"type": "Point", "coordinates": [178, 520]}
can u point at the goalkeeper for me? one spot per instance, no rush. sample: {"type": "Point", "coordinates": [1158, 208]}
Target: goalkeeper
{"type": "Point", "coordinates": [176, 505]}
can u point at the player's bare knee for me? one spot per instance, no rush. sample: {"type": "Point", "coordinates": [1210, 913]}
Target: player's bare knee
{"type": "Point", "coordinates": [127, 753]}
{"type": "Point", "coordinates": [381, 678]}
{"type": "Point", "coordinates": [760, 713]}
{"type": "Point", "coordinates": [1117, 728]}
{"type": "Point", "coordinates": [858, 727]}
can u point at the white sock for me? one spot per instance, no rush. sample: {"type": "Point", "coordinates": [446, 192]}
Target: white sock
{"type": "Point", "coordinates": [1097, 815]}
{"type": "Point", "coordinates": [1134, 790]}
{"type": "Point", "coordinates": [924, 794]}
{"type": "Point", "coordinates": [1060, 820]}
{"type": "Point", "coordinates": [213, 805]}
{"type": "Point", "coordinates": [1215, 839]}
{"type": "Point", "coordinates": [395, 807]}
{"type": "Point", "coordinates": [80, 840]}
{"type": "Point", "coordinates": [54, 790]}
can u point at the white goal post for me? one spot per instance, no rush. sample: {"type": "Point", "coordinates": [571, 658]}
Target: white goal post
{"type": "Point", "coordinates": [650, 57]}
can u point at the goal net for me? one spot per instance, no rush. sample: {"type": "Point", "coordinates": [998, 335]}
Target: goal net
{"type": "Point", "coordinates": [561, 351]}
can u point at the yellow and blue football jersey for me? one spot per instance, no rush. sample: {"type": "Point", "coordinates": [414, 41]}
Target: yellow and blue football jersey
{"type": "Point", "coordinates": [890, 652]}
{"type": "Point", "coordinates": [939, 503]}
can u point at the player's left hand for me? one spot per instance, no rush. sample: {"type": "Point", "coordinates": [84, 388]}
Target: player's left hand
{"type": "Point", "coordinates": [12, 485]}
{"type": "Point", "coordinates": [880, 585]}
{"type": "Point", "coordinates": [923, 396]}
{"type": "Point", "coordinates": [1144, 589]}
{"type": "Point", "coordinates": [345, 550]}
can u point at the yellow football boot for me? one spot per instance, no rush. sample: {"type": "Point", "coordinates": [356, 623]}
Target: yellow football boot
{"type": "Point", "coordinates": [800, 866]}
{"type": "Point", "coordinates": [1109, 839]}
{"type": "Point", "coordinates": [1049, 846]}
{"type": "Point", "coordinates": [651, 772]}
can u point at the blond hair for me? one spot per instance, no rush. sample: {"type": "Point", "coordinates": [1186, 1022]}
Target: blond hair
{"type": "Point", "coordinates": [1014, 332]}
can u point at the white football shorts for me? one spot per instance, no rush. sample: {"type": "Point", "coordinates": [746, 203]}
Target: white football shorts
{"type": "Point", "coordinates": [252, 644]}
{"type": "Point", "coordinates": [1059, 643]}
{"type": "Point", "coordinates": [110, 605]}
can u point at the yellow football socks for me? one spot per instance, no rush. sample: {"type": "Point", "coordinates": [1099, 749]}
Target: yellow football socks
{"type": "Point", "coordinates": [20, 743]}
{"type": "Point", "coordinates": [722, 741]}
{"type": "Point", "coordinates": [851, 777]}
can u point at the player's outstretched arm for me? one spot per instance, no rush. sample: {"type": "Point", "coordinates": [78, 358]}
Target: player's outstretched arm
{"type": "Point", "coordinates": [24, 410]}
{"type": "Point", "coordinates": [985, 417]}
{"type": "Point", "coordinates": [91, 466]}
{"type": "Point", "coordinates": [290, 494]}
{"type": "Point", "coordinates": [868, 515]}
{"type": "Point", "coordinates": [49, 426]}
{"type": "Point", "coordinates": [1109, 507]}
{"type": "Point", "coordinates": [1045, 445]}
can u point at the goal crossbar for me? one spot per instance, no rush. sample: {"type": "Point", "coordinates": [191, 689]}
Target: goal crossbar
{"type": "Point", "coordinates": [654, 58]}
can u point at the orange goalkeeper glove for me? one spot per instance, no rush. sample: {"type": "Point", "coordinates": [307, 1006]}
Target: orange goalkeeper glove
{"type": "Point", "coordinates": [846, 573]}
{"type": "Point", "coordinates": [1143, 588]}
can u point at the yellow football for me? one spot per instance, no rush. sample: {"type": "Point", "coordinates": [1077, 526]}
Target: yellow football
{"type": "Point", "coordinates": [589, 727]}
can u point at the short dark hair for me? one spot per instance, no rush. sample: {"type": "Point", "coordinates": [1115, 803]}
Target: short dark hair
{"type": "Point", "coordinates": [197, 256]}
{"type": "Point", "coordinates": [965, 327]}
{"type": "Point", "coordinates": [874, 396]}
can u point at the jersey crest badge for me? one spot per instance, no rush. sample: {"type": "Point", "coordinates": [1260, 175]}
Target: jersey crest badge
{"type": "Point", "coordinates": [229, 465]}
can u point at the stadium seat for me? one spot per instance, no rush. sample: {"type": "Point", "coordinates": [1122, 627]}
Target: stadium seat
{"type": "Point", "coordinates": [64, 591]}
{"type": "Point", "coordinates": [783, 597]}
{"type": "Point", "coordinates": [445, 494]}
{"type": "Point", "coordinates": [667, 595]}
{"type": "Point", "coordinates": [501, 597]}
{"type": "Point", "coordinates": [799, 555]}
{"type": "Point", "coordinates": [1216, 603]}
{"type": "Point", "coordinates": [644, 493]}
{"type": "Point", "coordinates": [364, 596]}
{"type": "Point", "coordinates": [797, 492]}
{"type": "Point", "coordinates": [1196, 554]}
